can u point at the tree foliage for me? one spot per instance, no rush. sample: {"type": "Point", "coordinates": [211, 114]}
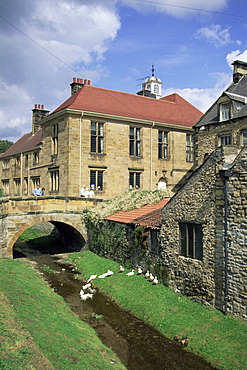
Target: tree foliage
{"type": "Point", "coordinates": [4, 145]}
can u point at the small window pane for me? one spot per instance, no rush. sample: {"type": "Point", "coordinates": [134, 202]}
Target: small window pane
{"type": "Point", "coordinates": [131, 179]}
{"type": "Point", "coordinates": [93, 144]}
{"type": "Point", "coordinates": [138, 149]}
{"type": "Point", "coordinates": [132, 148]}
{"type": "Point", "coordinates": [244, 138]}
{"type": "Point", "coordinates": [225, 111]}
{"type": "Point", "coordinates": [198, 241]}
{"type": "Point", "coordinates": [100, 128]}
{"type": "Point", "coordinates": [100, 145]}
{"type": "Point", "coordinates": [100, 180]}
{"type": "Point", "coordinates": [138, 134]}
{"type": "Point", "coordinates": [132, 133]}
{"type": "Point", "coordinates": [138, 176]}
{"type": "Point", "coordinates": [93, 128]}
{"type": "Point", "coordinates": [183, 239]}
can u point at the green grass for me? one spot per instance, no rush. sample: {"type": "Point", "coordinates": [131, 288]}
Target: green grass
{"type": "Point", "coordinates": [39, 331]}
{"type": "Point", "coordinates": [33, 233]}
{"type": "Point", "coordinates": [219, 339]}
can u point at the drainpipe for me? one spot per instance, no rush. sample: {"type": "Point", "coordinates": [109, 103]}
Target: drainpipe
{"type": "Point", "coordinates": [21, 184]}
{"type": "Point", "coordinates": [80, 147]}
{"type": "Point", "coordinates": [151, 157]}
{"type": "Point", "coordinates": [225, 173]}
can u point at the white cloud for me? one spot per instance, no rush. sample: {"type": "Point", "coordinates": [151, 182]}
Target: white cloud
{"type": "Point", "coordinates": [214, 34]}
{"type": "Point", "coordinates": [15, 100]}
{"type": "Point", "coordinates": [203, 98]}
{"type": "Point", "coordinates": [236, 55]}
{"type": "Point", "coordinates": [56, 41]}
{"type": "Point", "coordinates": [177, 8]}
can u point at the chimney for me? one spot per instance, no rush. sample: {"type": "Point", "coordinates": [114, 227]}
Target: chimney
{"type": "Point", "coordinates": [77, 84]}
{"type": "Point", "coordinates": [39, 112]}
{"type": "Point", "coordinates": [239, 70]}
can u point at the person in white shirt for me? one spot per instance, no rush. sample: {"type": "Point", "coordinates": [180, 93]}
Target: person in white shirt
{"type": "Point", "coordinates": [86, 194]}
{"type": "Point", "coordinates": [91, 193]}
{"type": "Point", "coordinates": [82, 191]}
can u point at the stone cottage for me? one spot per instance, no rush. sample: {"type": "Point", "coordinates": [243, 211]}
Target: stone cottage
{"type": "Point", "coordinates": [204, 227]}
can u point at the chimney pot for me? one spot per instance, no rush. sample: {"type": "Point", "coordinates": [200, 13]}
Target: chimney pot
{"type": "Point", "coordinates": [38, 106]}
{"type": "Point", "coordinates": [74, 79]}
{"type": "Point", "coordinates": [85, 81]}
{"type": "Point", "coordinates": [35, 106]}
{"type": "Point", "coordinates": [88, 82]}
{"type": "Point", "coordinates": [42, 106]}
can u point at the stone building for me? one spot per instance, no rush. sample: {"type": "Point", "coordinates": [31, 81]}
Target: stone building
{"type": "Point", "coordinates": [105, 139]}
{"type": "Point", "coordinates": [225, 122]}
{"type": "Point", "coordinates": [204, 229]}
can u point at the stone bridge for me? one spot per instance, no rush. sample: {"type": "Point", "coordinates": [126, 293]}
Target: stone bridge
{"type": "Point", "coordinates": [20, 213]}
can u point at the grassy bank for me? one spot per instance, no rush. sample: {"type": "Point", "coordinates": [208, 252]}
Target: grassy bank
{"type": "Point", "coordinates": [219, 339]}
{"type": "Point", "coordinates": [39, 331]}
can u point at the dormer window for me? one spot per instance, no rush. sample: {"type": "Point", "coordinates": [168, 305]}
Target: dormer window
{"type": "Point", "coordinates": [224, 111]}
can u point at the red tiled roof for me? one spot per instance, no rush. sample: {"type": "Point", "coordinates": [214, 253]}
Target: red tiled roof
{"type": "Point", "coordinates": [148, 216]}
{"type": "Point", "coordinates": [172, 109]}
{"type": "Point", "coordinates": [25, 143]}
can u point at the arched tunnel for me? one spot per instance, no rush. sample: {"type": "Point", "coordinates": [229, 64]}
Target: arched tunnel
{"type": "Point", "coordinates": [52, 237]}
{"type": "Point", "coordinates": [69, 236]}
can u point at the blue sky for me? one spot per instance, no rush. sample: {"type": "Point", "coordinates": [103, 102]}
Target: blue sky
{"type": "Point", "coordinates": [44, 44]}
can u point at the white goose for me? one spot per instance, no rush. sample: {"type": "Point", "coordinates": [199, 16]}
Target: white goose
{"type": "Point", "coordinates": [86, 296]}
{"type": "Point", "coordinates": [92, 277]}
{"type": "Point", "coordinates": [155, 281]}
{"type": "Point", "coordinates": [147, 275]}
{"type": "Point", "coordinates": [130, 273]}
{"type": "Point", "coordinates": [85, 287]}
{"type": "Point", "coordinates": [151, 277]}
{"type": "Point", "coordinates": [121, 269]}
{"type": "Point", "coordinates": [109, 273]}
{"type": "Point", "coordinates": [139, 271]}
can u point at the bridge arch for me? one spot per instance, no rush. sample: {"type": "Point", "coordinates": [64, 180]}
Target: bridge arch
{"type": "Point", "coordinates": [19, 214]}
{"type": "Point", "coordinates": [72, 232]}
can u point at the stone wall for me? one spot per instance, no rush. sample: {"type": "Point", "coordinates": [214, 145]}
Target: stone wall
{"type": "Point", "coordinates": [220, 277]}
{"type": "Point", "coordinates": [237, 235]}
{"type": "Point", "coordinates": [194, 203]}
{"type": "Point", "coordinates": [207, 138]}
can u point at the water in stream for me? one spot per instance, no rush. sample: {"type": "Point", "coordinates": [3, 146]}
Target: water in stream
{"type": "Point", "coordinates": [139, 346]}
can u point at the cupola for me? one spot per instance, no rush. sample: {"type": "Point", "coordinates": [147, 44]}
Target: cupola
{"type": "Point", "coordinates": [154, 84]}
{"type": "Point", "coordinates": [152, 87]}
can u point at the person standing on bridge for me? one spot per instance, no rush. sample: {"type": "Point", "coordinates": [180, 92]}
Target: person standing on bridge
{"type": "Point", "coordinates": [37, 191]}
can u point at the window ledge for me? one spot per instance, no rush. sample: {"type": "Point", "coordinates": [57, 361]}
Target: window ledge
{"type": "Point", "coordinates": [135, 157]}
{"type": "Point", "coordinates": [97, 154]}
{"type": "Point", "coordinates": [191, 259]}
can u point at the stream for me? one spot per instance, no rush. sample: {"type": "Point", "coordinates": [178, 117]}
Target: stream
{"type": "Point", "coordinates": [138, 345]}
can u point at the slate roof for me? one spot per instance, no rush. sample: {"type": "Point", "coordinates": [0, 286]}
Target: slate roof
{"type": "Point", "coordinates": [149, 216]}
{"type": "Point", "coordinates": [172, 109]}
{"type": "Point", "coordinates": [234, 92]}
{"type": "Point", "coordinates": [25, 143]}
